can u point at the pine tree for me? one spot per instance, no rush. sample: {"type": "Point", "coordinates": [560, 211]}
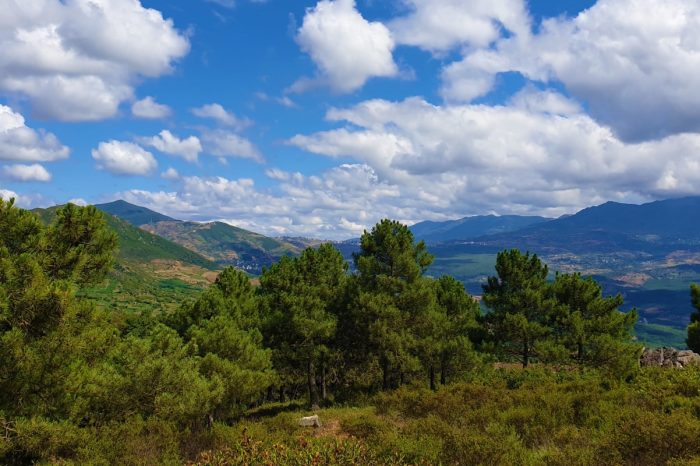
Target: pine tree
{"type": "Point", "coordinates": [301, 298]}
{"type": "Point", "coordinates": [520, 306]}
{"type": "Point", "coordinates": [393, 300]}
{"type": "Point", "coordinates": [589, 325]}
{"type": "Point", "coordinates": [458, 313]}
{"type": "Point", "coordinates": [224, 326]}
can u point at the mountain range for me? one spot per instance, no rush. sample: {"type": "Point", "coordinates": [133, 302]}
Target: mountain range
{"type": "Point", "coordinates": [472, 227]}
{"type": "Point", "coordinates": [650, 253]}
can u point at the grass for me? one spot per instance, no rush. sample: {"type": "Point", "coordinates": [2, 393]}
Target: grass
{"type": "Point", "coordinates": [500, 417]}
{"type": "Point", "coordinates": [655, 335]}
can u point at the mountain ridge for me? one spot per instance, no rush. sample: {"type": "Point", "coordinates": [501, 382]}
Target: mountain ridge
{"type": "Point", "coordinates": [219, 242]}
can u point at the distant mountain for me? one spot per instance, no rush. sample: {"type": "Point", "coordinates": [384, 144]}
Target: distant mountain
{"type": "Point", "coordinates": [671, 219]}
{"type": "Point", "coordinates": [472, 227]}
{"type": "Point", "coordinates": [655, 226]}
{"type": "Point", "coordinates": [217, 241]}
{"type": "Point", "coordinates": [136, 215]}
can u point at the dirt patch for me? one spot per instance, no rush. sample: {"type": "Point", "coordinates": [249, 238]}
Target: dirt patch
{"type": "Point", "coordinates": [190, 274]}
{"type": "Point", "coordinates": [330, 428]}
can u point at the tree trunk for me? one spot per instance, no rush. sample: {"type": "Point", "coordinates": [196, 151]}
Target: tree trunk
{"type": "Point", "coordinates": [282, 394]}
{"type": "Point", "coordinates": [443, 371]}
{"type": "Point", "coordinates": [270, 394]}
{"type": "Point", "coordinates": [311, 378]}
{"type": "Point", "coordinates": [526, 354]}
{"type": "Point", "coordinates": [324, 392]}
{"type": "Point", "coordinates": [580, 353]}
{"type": "Point", "coordinates": [400, 378]}
{"type": "Point", "coordinates": [385, 374]}
{"type": "Point", "coordinates": [432, 378]}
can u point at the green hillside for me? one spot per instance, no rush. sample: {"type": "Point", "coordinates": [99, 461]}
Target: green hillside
{"type": "Point", "coordinates": [225, 244]}
{"type": "Point", "coordinates": [216, 241]}
{"type": "Point", "coordinates": [136, 215]}
{"type": "Point", "coordinates": [138, 245]}
{"type": "Point", "coordinates": [151, 273]}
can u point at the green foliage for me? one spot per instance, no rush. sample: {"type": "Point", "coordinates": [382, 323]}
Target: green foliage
{"type": "Point", "coordinates": [568, 320]}
{"type": "Point", "coordinates": [302, 298]}
{"type": "Point", "coordinates": [393, 305]}
{"type": "Point", "coordinates": [591, 327]}
{"type": "Point", "coordinates": [85, 385]}
{"type": "Point", "coordinates": [223, 328]}
{"type": "Point", "coordinates": [78, 246]}
{"type": "Point", "coordinates": [518, 298]}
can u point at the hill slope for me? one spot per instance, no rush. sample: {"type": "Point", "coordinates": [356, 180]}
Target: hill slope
{"type": "Point", "coordinates": [151, 273]}
{"type": "Point", "coordinates": [225, 244]}
{"type": "Point", "coordinates": [136, 215]}
{"type": "Point", "coordinates": [217, 241]}
{"type": "Point", "coordinates": [139, 245]}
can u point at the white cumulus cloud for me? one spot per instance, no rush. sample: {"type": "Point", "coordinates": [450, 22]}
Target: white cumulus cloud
{"type": "Point", "coordinates": [222, 116]}
{"type": "Point", "coordinates": [166, 142]}
{"type": "Point", "coordinates": [170, 174]}
{"type": "Point", "coordinates": [77, 60]}
{"type": "Point", "coordinates": [346, 48]}
{"type": "Point", "coordinates": [21, 143]}
{"type": "Point", "coordinates": [538, 154]}
{"type": "Point", "coordinates": [124, 158]}
{"type": "Point", "coordinates": [223, 143]}
{"type": "Point", "coordinates": [33, 172]}
{"type": "Point", "coordinates": [634, 63]}
{"type": "Point", "coordinates": [148, 108]}
{"type": "Point", "coordinates": [439, 25]}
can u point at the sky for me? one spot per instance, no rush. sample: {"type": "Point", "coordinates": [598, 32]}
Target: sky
{"type": "Point", "coordinates": [318, 119]}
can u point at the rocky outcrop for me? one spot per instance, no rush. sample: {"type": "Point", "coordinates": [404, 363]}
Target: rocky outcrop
{"type": "Point", "coordinates": [668, 357]}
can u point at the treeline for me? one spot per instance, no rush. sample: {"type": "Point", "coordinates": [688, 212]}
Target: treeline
{"type": "Point", "coordinates": [310, 328]}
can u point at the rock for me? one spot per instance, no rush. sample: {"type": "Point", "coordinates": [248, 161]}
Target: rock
{"type": "Point", "coordinates": [668, 357]}
{"type": "Point", "coordinates": [310, 421]}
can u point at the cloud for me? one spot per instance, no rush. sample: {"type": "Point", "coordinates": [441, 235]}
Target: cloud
{"type": "Point", "coordinates": [440, 25]}
{"type": "Point", "coordinates": [25, 201]}
{"type": "Point", "coordinates": [223, 143]}
{"type": "Point", "coordinates": [34, 172]}
{"type": "Point", "coordinates": [78, 201]}
{"type": "Point", "coordinates": [230, 4]}
{"type": "Point", "coordinates": [148, 108]}
{"type": "Point", "coordinates": [170, 174]}
{"type": "Point", "coordinates": [634, 63]}
{"type": "Point", "coordinates": [223, 3]}
{"type": "Point", "coordinates": [21, 143]}
{"type": "Point", "coordinates": [284, 101]}
{"type": "Point", "coordinates": [167, 143]}
{"type": "Point", "coordinates": [6, 195]}
{"type": "Point", "coordinates": [538, 154]}
{"type": "Point", "coordinates": [221, 115]}
{"type": "Point", "coordinates": [78, 60]}
{"type": "Point", "coordinates": [347, 49]}
{"type": "Point", "coordinates": [124, 158]}
{"type": "Point", "coordinates": [336, 204]}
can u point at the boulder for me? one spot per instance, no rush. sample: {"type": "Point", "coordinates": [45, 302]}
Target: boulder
{"type": "Point", "coordinates": [310, 421]}
{"type": "Point", "coordinates": [668, 357]}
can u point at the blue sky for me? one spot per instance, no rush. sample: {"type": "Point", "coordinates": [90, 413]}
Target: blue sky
{"type": "Point", "coordinates": [320, 118]}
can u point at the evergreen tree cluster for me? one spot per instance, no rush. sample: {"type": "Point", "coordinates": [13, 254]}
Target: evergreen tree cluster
{"type": "Point", "coordinates": [310, 329]}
